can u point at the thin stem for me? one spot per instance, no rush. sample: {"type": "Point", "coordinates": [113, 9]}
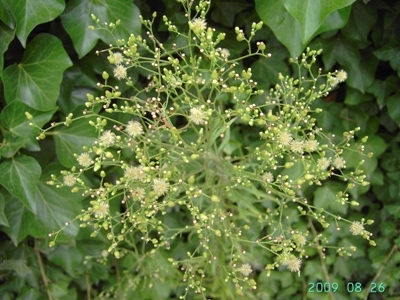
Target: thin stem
{"type": "Point", "coordinates": [321, 257]}
{"type": "Point", "coordinates": [88, 287]}
{"type": "Point", "coordinates": [46, 280]}
{"type": "Point", "coordinates": [378, 274]}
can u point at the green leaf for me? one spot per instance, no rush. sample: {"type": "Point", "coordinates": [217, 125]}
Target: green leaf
{"type": "Point", "coordinates": [28, 14]}
{"type": "Point", "coordinates": [226, 11]}
{"type": "Point", "coordinates": [17, 265]}
{"type": "Point", "coordinates": [294, 33]}
{"type": "Point", "coordinates": [71, 139]}
{"type": "Point", "coordinates": [311, 14]}
{"type": "Point", "coordinates": [56, 207]}
{"type": "Point", "coordinates": [11, 144]}
{"type": "Point", "coordinates": [68, 257]}
{"type": "Point", "coordinates": [6, 36]}
{"type": "Point", "coordinates": [3, 217]}
{"type": "Point", "coordinates": [19, 176]}
{"type": "Point", "coordinates": [77, 18]}
{"type": "Point", "coordinates": [393, 107]}
{"type": "Point", "coordinates": [325, 196]}
{"type": "Point", "coordinates": [382, 89]}
{"type": "Point", "coordinates": [36, 80]}
{"type": "Point", "coordinates": [361, 21]}
{"type": "Point", "coordinates": [13, 118]}
{"type": "Point", "coordinates": [21, 220]}
{"type": "Point", "coordinates": [390, 54]}
{"type": "Point", "coordinates": [266, 70]}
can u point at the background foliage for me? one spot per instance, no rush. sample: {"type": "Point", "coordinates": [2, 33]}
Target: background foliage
{"type": "Point", "coordinates": [48, 65]}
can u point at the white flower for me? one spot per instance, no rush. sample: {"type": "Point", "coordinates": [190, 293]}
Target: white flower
{"type": "Point", "coordinates": [225, 53]}
{"type": "Point", "coordinates": [356, 228]}
{"type": "Point", "coordinates": [118, 58]}
{"type": "Point", "coordinates": [198, 25]}
{"type": "Point", "coordinates": [245, 269]}
{"type": "Point", "coordinates": [100, 209]}
{"type": "Point", "coordinates": [107, 138]}
{"type": "Point", "coordinates": [197, 116]}
{"type": "Point", "coordinates": [323, 163]}
{"type": "Point", "coordinates": [139, 193]}
{"type": "Point", "coordinates": [120, 72]}
{"type": "Point", "coordinates": [84, 160]}
{"type": "Point", "coordinates": [268, 177]}
{"type": "Point", "coordinates": [134, 128]}
{"type": "Point", "coordinates": [311, 145]}
{"type": "Point", "coordinates": [134, 173]}
{"type": "Point", "coordinates": [160, 186]}
{"type": "Point", "coordinates": [293, 264]}
{"type": "Point", "coordinates": [69, 180]}
{"type": "Point", "coordinates": [285, 138]}
{"type": "Point", "coordinates": [341, 76]}
{"type": "Point", "coordinates": [339, 162]}
{"type": "Point", "coordinates": [297, 146]}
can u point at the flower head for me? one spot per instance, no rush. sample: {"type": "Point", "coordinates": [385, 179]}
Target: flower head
{"type": "Point", "coordinates": [339, 162]}
{"type": "Point", "coordinates": [134, 173]}
{"type": "Point", "coordinates": [139, 193]}
{"type": "Point", "coordinates": [100, 209]}
{"type": "Point", "coordinates": [297, 146]}
{"type": "Point", "coordinates": [356, 228]}
{"type": "Point", "coordinates": [341, 76]}
{"type": "Point", "coordinates": [197, 116]}
{"type": "Point", "coordinates": [118, 58]}
{"type": "Point", "coordinates": [311, 145]}
{"type": "Point", "coordinates": [285, 138]}
{"type": "Point", "coordinates": [245, 269]}
{"type": "Point", "coordinates": [120, 72]}
{"type": "Point", "coordinates": [134, 128]}
{"type": "Point", "coordinates": [293, 264]}
{"type": "Point", "coordinates": [84, 160]}
{"type": "Point", "coordinates": [107, 138]}
{"type": "Point", "coordinates": [323, 163]}
{"type": "Point", "coordinates": [160, 186]}
{"type": "Point", "coordinates": [268, 177]}
{"type": "Point", "coordinates": [69, 180]}
{"type": "Point", "coordinates": [198, 25]}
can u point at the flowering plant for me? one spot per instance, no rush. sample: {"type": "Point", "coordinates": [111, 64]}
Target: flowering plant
{"type": "Point", "coordinates": [199, 153]}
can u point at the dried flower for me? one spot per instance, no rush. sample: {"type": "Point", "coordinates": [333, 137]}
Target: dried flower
{"type": "Point", "coordinates": [84, 160]}
{"type": "Point", "coordinates": [134, 128]}
{"type": "Point", "coordinates": [245, 269]}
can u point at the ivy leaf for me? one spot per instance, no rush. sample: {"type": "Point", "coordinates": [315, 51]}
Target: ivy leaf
{"type": "Point", "coordinates": [311, 14]}
{"type": "Point", "coordinates": [11, 144]}
{"type": "Point", "coordinates": [14, 119]}
{"type": "Point", "coordinates": [71, 139]}
{"type": "Point", "coordinates": [21, 220]}
{"type": "Point", "coordinates": [325, 196]}
{"type": "Point", "coordinates": [28, 14]}
{"type": "Point", "coordinates": [19, 176]}
{"type": "Point", "coordinates": [3, 218]}
{"type": "Point", "coordinates": [36, 80]}
{"type": "Point", "coordinates": [266, 70]}
{"type": "Point", "coordinates": [295, 31]}
{"type": "Point", "coordinates": [55, 207]}
{"type": "Point", "coordinates": [77, 18]}
{"type": "Point", "coordinates": [393, 107]}
{"type": "Point", "coordinates": [6, 36]}
{"type": "Point", "coordinates": [390, 54]}
{"type": "Point", "coordinates": [225, 11]}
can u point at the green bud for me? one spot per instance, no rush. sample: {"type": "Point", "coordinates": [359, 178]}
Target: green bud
{"type": "Point", "coordinates": [105, 75]}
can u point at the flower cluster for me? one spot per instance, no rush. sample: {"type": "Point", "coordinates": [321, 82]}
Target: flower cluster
{"type": "Point", "coordinates": [175, 162]}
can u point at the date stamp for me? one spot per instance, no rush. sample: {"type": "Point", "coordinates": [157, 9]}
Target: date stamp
{"type": "Point", "coordinates": [350, 287]}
